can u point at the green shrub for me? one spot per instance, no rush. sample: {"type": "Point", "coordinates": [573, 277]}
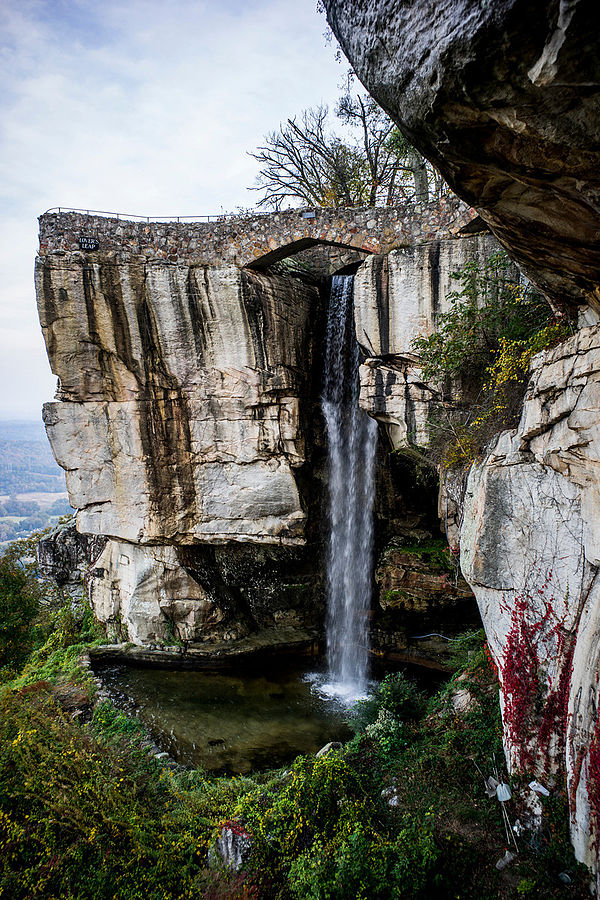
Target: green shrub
{"type": "Point", "coordinates": [480, 354]}
{"type": "Point", "coordinates": [366, 865]}
{"type": "Point", "coordinates": [490, 304]}
{"type": "Point", "coordinates": [85, 813]}
{"type": "Point", "coordinates": [19, 605]}
{"type": "Point", "coordinates": [395, 695]}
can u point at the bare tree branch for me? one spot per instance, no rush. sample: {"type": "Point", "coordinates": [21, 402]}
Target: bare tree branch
{"type": "Point", "coordinates": [373, 164]}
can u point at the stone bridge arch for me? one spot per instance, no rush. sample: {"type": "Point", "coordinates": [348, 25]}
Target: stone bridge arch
{"type": "Point", "coordinates": [255, 240]}
{"type": "Point", "coordinates": [359, 243]}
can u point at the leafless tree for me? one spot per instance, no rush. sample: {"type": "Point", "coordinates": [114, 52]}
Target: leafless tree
{"type": "Point", "coordinates": [307, 161]}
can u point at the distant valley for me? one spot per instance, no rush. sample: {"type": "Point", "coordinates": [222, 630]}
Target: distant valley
{"type": "Point", "coordinates": [32, 486]}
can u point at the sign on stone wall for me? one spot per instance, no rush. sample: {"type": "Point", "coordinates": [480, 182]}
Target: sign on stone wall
{"type": "Point", "coordinates": [88, 243]}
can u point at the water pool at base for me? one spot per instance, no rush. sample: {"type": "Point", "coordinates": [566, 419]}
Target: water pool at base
{"type": "Point", "coordinates": [231, 723]}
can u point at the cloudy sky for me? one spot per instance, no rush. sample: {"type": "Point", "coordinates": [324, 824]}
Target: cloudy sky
{"type": "Point", "coordinates": [135, 106]}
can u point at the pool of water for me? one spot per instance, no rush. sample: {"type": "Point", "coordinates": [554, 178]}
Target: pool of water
{"type": "Point", "coordinates": [231, 723]}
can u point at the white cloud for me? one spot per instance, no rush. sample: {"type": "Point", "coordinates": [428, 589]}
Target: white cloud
{"type": "Point", "coordinates": [141, 107]}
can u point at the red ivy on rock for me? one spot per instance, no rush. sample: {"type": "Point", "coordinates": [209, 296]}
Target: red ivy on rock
{"type": "Point", "coordinates": [235, 827]}
{"type": "Point", "coordinates": [535, 713]}
{"type": "Point", "coordinates": [593, 783]}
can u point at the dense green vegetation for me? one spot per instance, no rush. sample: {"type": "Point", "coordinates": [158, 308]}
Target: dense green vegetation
{"type": "Point", "coordinates": [480, 353]}
{"type": "Point", "coordinates": [28, 465]}
{"type": "Point", "coordinates": [398, 812]}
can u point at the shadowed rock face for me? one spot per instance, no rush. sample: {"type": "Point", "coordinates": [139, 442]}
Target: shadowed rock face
{"type": "Point", "coordinates": [503, 98]}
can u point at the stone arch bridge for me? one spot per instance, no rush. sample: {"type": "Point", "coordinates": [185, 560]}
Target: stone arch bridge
{"type": "Point", "coordinates": [187, 409]}
{"type": "Point", "coordinates": [256, 240]}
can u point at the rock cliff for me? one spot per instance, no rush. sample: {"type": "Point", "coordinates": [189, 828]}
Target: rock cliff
{"type": "Point", "coordinates": [177, 415]}
{"type": "Point", "coordinates": [187, 416]}
{"type": "Point", "coordinates": [178, 423]}
{"type": "Point", "coordinates": [530, 547]}
{"type": "Point", "coordinates": [503, 98]}
{"type": "Point", "coordinates": [398, 297]}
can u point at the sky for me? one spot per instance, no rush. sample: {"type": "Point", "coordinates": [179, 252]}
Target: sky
{"type": "Point", "coordinates": [135, 106]}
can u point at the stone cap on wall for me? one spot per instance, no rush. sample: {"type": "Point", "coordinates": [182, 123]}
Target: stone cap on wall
{"type": "Point", "coordinates": [257, 240]}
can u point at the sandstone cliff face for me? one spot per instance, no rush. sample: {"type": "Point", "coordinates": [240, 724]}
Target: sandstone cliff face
{"type": "Point", "coordinates": [503, 98]}
{"type": "Point", "coordinates": [397, 298]}
{"type": "Point", "coordinates": [177, 418]}
{"type": "Point", "coordinates": [178, 421]}
{"type": "Point", "coordinates": [186, 415]}
{"type": "Point", "coordinates": [530, 548]}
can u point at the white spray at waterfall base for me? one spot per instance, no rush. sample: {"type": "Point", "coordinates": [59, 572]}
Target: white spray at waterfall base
{"type": "Point", "coordinates": [352, 443]}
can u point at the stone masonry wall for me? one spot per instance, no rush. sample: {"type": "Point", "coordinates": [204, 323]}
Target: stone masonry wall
{"type": "Point", "coordinates": [244, 240]}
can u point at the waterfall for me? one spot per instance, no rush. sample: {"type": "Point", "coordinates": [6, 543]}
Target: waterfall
{"type": "Point", "coordinates": [352, 441]}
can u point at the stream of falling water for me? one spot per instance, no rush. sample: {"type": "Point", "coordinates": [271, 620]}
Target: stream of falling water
{"type": "Point", "coordinates": [352, 442]}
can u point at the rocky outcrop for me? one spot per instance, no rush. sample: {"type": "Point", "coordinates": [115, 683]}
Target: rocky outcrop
{"type": "Point", "coordinates": [423, 603]}
{"type": "Point", "coordinates": [178, 404]}
{"type": "Point", "coordinates": [397, 298]}
{"type": "Point", "coordinates": [66, 556]}
{"type": "Point", "coordinates": [145, 595]}
{"type": "Point", "coordinates": [187, 411]}
{"type": "Point", "coordinates": [503, 98]}
{"type": "Point", "coordinates": [530, 547]}
{"type": "Point", "coordinates": [184, 419]}
{"type": "Point", "coordinates": [411, 578]}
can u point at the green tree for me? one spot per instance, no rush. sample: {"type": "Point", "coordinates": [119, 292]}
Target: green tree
{"type": "Point", "coordinates": [479, 356]}
{"type": "Point", "coordinates": [19, 604]}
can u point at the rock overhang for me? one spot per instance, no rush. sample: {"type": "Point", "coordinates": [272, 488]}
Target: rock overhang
{"type": "Point", "coordinates": [503, 98]}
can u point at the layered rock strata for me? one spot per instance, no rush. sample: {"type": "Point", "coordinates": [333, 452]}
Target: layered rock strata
{"type": "Point", "coordinates": [530, 547]}
{"type": "Point", "coordinates": [185, 410]}
{"type": "Point", "coordinates": [178, 421]}
{"type": "Point", "coordinates": [177, 413]}
{"type": "Point", "coordinates": [503, 98]}
{"type": "Point", "coordinates": [398, 297]}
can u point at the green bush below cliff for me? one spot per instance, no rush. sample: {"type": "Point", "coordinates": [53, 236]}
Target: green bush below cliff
{"type": "Point", "coordinates": [88, 813]}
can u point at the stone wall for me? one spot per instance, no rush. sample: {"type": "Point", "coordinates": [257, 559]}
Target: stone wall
{"type": "Point", "coordinates": [255, 239]}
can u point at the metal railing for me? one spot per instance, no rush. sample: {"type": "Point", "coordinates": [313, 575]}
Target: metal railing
{"type": "Point", "coordinates": [134, 217]}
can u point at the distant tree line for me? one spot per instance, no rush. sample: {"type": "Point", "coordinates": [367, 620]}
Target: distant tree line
{"type": "Point", "coordinates": [27, 466]}
{"type": "Point", "coordinates": [19, 518]}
